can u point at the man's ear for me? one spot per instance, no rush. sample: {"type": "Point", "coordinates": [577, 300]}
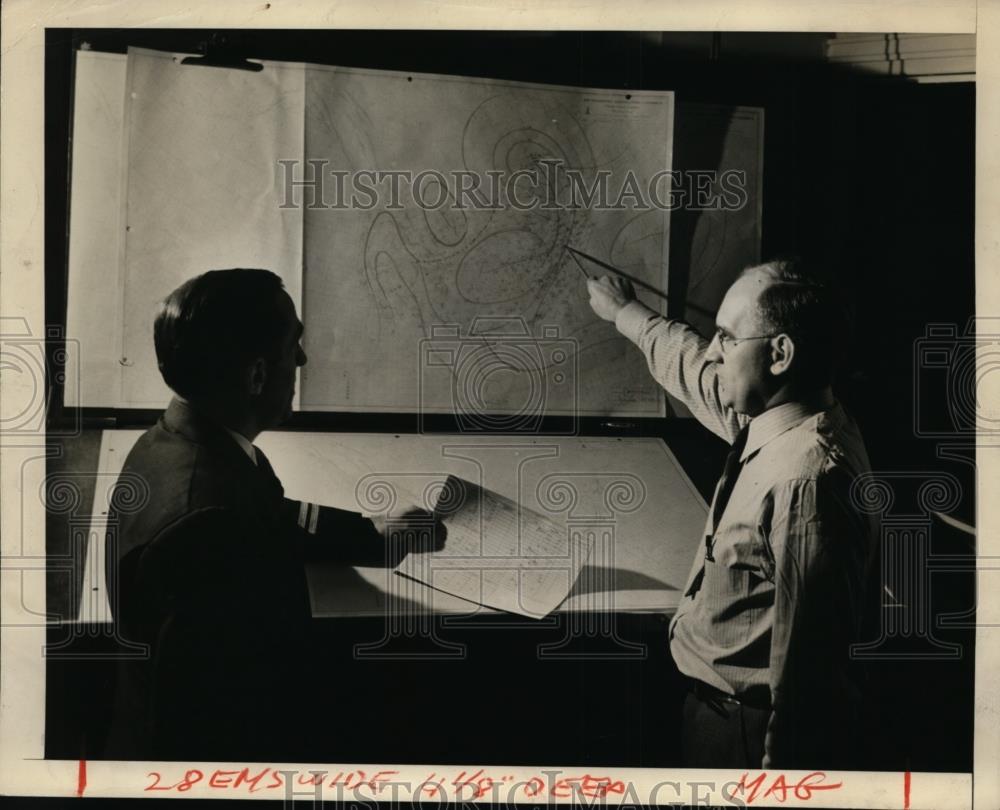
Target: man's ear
{"type": "Point", "coordinates": [782, 354]}
{"type": "Point", "coordinates": [257, 376]}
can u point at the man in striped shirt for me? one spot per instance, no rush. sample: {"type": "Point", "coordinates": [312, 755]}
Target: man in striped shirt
{"type": "Point", "coordinates": [762, 633]}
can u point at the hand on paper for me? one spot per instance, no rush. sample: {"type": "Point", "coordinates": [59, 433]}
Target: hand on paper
{"type": "Point", "coordinates": [608, 294]}
{"type": "Point", "coordinates": [412, 531]}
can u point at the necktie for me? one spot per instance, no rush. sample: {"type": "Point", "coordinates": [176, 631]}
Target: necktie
{"type": "Point", "coordinates": [730, 473]}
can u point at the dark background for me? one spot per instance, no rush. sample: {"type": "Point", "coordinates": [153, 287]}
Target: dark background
{"type": "Point", "coordinates": [871, 176]}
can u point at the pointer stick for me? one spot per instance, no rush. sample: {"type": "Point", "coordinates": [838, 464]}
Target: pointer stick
{"type": "Point", "coordinates": [638, 282]}
{"type": "Point", "coordinates": [573, 257]}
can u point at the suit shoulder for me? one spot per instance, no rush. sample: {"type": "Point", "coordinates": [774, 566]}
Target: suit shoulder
{"type": "Point", "coordinates": [179, 477]}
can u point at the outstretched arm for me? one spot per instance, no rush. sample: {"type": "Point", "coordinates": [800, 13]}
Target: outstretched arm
{"type": "Point", "coordinates": [328, 533]}
{"type": "Point", "coordinates": [674, 351]}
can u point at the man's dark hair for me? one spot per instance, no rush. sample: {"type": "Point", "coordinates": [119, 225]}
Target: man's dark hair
{"type": "Point", "coordinates": [806, 304]}
{"type": "Point", "coordinates": [213, 325]}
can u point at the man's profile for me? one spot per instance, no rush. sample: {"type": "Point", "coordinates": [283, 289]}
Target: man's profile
{"type": "Point", "coordinates": [773, 600]}
{"type": "Point", "coordinates": [209, 573]}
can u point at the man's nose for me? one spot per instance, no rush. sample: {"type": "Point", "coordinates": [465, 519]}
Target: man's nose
{"type": "Point", "coordinates": [714, 352]}
{"type": "Point", "coordinates": [300, 357]}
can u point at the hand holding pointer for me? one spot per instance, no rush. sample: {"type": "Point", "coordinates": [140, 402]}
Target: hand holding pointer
{"type": "Point", "coordinates": [609, 294]}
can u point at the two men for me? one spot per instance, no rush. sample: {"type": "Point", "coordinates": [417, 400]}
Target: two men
{"type": "Point", "coordinates": [774, 596]}
{"type": "Point", "coordinates": [209, 572]}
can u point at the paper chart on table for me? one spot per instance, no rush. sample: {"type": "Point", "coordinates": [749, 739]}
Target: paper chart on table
{"type": "Point", "coordinates": [498, 553]}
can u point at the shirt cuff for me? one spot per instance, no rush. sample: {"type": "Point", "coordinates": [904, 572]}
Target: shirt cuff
{"type": "Point", "coordinates": [632, 318]}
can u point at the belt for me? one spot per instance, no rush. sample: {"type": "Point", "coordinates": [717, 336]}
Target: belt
{"type": "Point", "coordinates": [756, 697]}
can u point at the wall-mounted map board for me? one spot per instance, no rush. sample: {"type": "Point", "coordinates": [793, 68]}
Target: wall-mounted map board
{"type": "Point", "coordinates": [177, 169]}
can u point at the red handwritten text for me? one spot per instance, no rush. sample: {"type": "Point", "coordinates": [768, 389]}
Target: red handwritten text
{"type": "Point", "coordinates": [779, 787]}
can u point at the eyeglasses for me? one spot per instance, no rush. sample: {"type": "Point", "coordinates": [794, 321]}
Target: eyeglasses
{"type": "Point", "coordinates": [728, 340]}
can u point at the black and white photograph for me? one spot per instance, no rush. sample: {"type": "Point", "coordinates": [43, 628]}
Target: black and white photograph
{"type": "Point", "coordinates": [514, 407]}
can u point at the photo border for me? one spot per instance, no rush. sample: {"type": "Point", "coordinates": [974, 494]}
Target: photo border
{"type": "Point", "coordinates": [23, 769]}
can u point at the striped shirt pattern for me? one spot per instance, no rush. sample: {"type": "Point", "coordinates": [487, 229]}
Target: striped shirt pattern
{"type": "Point", "coordinates": [778, 601]}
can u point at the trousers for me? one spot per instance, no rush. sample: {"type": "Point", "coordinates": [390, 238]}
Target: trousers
{"type": "Point", "coordinates": [721, 734]}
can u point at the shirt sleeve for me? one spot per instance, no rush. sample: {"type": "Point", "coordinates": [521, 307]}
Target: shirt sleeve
{"type": "Point", "coordinates": [811, 544]}
{"type": "Point", "coordinates": [675, 354]}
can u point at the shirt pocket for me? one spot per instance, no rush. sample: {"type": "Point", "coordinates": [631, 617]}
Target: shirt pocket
{"type": "Point", "coordinates": [743, 549]}
{"type": "Point", "coordinates": [723, 595]}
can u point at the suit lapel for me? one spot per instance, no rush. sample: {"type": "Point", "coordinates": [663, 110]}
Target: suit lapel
{"type": "Point", "coordinates": [257, 481]}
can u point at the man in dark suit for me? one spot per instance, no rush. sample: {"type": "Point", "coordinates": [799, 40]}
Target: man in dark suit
{"type": "Point", "coordinates": [209, 572]}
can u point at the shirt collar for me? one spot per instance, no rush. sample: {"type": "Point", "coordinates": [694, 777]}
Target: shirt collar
{"type": "Point", "coordinates": [244, 443]}
{"type": "Point", "coordinates": [772, 423]}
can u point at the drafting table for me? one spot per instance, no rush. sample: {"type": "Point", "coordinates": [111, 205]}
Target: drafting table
{"type": "Point", "coordinates": [629, 495]}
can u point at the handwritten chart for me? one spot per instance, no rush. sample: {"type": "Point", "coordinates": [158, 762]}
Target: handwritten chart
{"type": "Point", "coordinates": [409, 305]}
{"type": "Point", "coordinates": [499, 554]}
{"type": "Point", "coordinates": [392, 289]}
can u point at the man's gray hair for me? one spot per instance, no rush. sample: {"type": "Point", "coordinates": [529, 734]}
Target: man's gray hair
{"type": "Point", "coordinates": [806, 305]}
